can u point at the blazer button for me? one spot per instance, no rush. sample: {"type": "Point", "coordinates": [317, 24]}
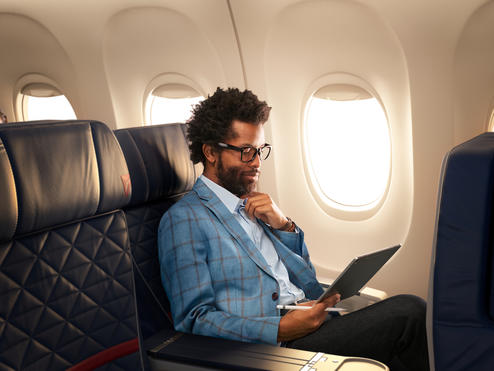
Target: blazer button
{"type": "Point", "coordinates": [274, 296]}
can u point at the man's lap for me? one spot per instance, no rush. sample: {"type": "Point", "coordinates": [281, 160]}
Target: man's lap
{"type": "Point", "coordinates": [391, 331]}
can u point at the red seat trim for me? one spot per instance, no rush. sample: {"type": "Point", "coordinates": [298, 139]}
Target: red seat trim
{"type": "Point", "coordinates": [107, 355]}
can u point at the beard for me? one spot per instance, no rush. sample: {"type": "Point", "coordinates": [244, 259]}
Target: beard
{"type": "Point", "coordinates": [231, 179]}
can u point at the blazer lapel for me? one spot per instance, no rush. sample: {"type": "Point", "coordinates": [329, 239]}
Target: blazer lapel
{"type": "Point", "coordinates": [213, 203]}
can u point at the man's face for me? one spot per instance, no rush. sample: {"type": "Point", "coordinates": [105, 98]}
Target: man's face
{"type": "Point", "coordinates": [238, 177]}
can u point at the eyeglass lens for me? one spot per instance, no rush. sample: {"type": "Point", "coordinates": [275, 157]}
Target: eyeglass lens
{"type": "Point", "coordinates": [248, 154]}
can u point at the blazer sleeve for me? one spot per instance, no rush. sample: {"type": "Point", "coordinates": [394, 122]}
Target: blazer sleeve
{"type": "Point", "coordinates": [295, 242]}
{"type": "Point", "coordinates": [182, 248]}
{"type": "Point", "coordinates": [293, 252]}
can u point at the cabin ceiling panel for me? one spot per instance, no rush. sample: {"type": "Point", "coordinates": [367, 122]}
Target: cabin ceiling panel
{"type": "Point", "coordinates": [80, 25]}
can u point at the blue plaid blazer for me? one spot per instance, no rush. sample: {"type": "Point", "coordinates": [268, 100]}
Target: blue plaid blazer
{"type": "Point", "coordinates": [216, 280]}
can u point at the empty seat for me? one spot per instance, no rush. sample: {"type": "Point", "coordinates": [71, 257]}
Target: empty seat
{"type": "Point", "coordinates": [66, 282]}
{"type": "Point", "coordinates": [461, 305]}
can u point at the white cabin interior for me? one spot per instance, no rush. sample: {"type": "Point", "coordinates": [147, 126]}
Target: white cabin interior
{"type": "Point", "coordinates": [430, 64]}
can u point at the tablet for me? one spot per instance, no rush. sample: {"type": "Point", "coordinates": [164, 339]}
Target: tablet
{"type": "Point", "coordinates": [358, 273]}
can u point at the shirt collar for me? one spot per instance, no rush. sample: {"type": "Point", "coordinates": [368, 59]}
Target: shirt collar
{"type": "Point", "coordinates": [231, 201]}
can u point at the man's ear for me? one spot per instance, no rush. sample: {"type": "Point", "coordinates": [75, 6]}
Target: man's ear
{"type": "Point", "coordinates": [210, 153]}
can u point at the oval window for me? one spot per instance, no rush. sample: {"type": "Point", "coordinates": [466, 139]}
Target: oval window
{"type": "Point", "coordinates": [41, 101]}
{"type": "Point", "coordinates": [347, 144]}
{"type": "Point", "coordinates": [171, 103]}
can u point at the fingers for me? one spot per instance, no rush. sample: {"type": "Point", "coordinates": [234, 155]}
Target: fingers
{"type": "Point", "coordinates": [332, 300]}
{"type": "Point", "coordinates": [312, 317]}
{"type": "Point", "coordinates": [260, 205]}
{"type": "Point", "coordinates": [298, 323]}
{"type": "Point", "coordinates": [255, 201]}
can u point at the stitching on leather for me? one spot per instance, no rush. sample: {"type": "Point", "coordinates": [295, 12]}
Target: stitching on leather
{"type": "Point", "coordinates": [122, 278]}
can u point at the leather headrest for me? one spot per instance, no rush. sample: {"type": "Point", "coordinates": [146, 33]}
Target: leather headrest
{"type": "Point", "coordinates": [62, 171]}
{"type": "Point", "coordinates": [159, 161]}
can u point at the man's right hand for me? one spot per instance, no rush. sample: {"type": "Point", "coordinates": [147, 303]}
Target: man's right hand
{"type": "Point", "coordinates": [298, 323]}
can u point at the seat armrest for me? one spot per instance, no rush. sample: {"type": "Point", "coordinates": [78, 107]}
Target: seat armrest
{"type": "Point", "coordinates": [179, 351]}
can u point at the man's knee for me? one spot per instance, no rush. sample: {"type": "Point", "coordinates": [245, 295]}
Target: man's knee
{"type": "Point", "coordinates": [405, 310]}
{"type": "Point", "coordinates": [410, 304]}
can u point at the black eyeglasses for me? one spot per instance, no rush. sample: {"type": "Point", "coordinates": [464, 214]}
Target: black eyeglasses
{"type": "Point", "coordinates": [248, 153]}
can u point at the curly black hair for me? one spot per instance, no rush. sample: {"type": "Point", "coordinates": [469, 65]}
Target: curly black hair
{"type": "Point", "coordinates": [212, 118]}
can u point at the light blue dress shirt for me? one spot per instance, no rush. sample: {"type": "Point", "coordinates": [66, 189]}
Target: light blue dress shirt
{"type": "Point", "coordinates": [289, 293]}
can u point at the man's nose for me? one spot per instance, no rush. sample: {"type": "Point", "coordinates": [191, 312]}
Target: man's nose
{"type": "Point", "coordinates": [256, 162]}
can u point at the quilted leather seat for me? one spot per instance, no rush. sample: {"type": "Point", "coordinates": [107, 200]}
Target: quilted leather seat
{"type": "Point", "coordinates": [461, 317]}
{"type": "Point", "coordinates": [161, 173]}
{"type": "Point", "coordinates": [66, 280]}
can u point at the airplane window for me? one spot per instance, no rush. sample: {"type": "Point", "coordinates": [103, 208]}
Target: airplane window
{"type": "Point", "coordinates": [171, 103]}
{"type": "Point", "coordinates": [347, 143]}
{"type": "Point", "coordinates": [44, 102]}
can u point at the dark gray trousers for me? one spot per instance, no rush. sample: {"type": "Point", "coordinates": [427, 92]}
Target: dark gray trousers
{"type": "Point", "coordinates": [391, 331]}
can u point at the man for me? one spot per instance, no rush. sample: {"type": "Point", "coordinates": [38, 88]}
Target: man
{"type": "Point", "coordinates": [229, 255]}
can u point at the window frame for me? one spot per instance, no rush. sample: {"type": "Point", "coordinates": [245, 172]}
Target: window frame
{"type": "Point", "coordinates": [20, 103]}
{"type": "Point", "coordinates": [331, 207]}
{"type": "Point", "coordinates": [160, 80]}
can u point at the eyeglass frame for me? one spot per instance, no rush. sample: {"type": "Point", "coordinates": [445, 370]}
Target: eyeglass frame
{"type": "Point", "coordinates": [257, 151]}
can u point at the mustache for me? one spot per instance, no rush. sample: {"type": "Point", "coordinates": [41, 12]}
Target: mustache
{"type": "Point", "coordinates": [251, 172]}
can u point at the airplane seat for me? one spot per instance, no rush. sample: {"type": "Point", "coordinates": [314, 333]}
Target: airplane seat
{"type": "Point", "coordinates": [66, 279]}
{"type": "Point", "coordinates": [461, 292]}
{"type": "Point", "coordinates": [161, 173]}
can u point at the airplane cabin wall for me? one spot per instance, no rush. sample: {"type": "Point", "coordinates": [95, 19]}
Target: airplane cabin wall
{"type": "Point", "coordinates": [157, 45]}
{"type": "Point", "coordinates": [429, 63]}
{"type": "Point", "coordinates": [406, 51]}
{"type": "Point", "coordinates": [428, 33]}
{"type": "Point", "coordinates": [98, 64]}
{"type": "Point", "coordinates": [28, 47]}
{"type": "Point", "coordinates": [300, 44]}
{"type": "Point", "coordinates": [474, 75]}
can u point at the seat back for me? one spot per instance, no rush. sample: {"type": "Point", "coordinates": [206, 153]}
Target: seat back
{"type": "Point", "coordinates": [161, 172]}
{"type": "Point", "coordinates": [461, 314]}
{"type": "Point", "coordinates": [66, 280]}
